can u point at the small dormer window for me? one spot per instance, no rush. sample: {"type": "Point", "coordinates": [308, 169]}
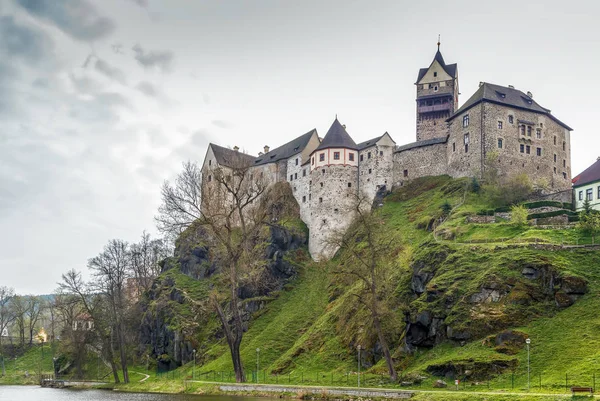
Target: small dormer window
{"type": "Point", "coordinates": [435, 88]}
{"type": "Point", "coordinates": [435, 73]}
{"type": "Point", "coordinates": [209, 162]}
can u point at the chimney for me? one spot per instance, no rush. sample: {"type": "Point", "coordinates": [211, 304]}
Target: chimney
{"type": "Point", "coordinates": [511, 86]}
{"type": "Point", "coordinates": [266, 149]}
{"type": "Point", "coordinates": [530, 94]}
{"type": "Point", "coordinates": [235, 148]}
{"type": "Point", "coordinates": [480, 83]}
{"type": "Point", "coordinates": [344, 125]}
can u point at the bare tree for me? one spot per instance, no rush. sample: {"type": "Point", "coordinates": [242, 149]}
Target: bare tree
{"type": "Point", "coordinates": [6, 317]}
{"type": "Point", "coordinates": [362, 261]}
{"type": "Point", "coordinates": [95, 305]}
{"type": "Point", "coordinates": [19, 307]}
{"type": "Point", "coordinates": [181, 201]}
{"type": "Point", "coordinates": [111, 270]}
{"type": "Point", "coordinates": [33, 309]}
{"type": "Point", "coordinates": [146, 256]}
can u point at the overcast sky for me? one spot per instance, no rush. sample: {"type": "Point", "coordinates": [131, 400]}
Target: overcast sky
{"type": "Point", "coordinates": [100, 101]}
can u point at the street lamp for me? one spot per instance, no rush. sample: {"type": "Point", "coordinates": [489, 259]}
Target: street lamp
{"type": "Point", "coordinates": [359, 364]}
{"type": "Point", "coordinates": [528, 341]}
{"type": "Point", "coordinates": [194, 366]}
{"type": "Point", "coordinates": [257, 362]}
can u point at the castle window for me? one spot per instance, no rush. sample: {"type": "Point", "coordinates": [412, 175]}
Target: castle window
{"type": "Point", "coordinates": [435, 73]}
{"type": "Point", "coordinates": [296, 161]}
{"type": "Point", "coordinates": [295, 176]}
{"type": "Point", "coordinates": [528, 130]}
{"type": "Point", "coordinates": [304, 173]}
{"type": "Point", "coordinates": [310, 182]}
{"type": "Point", "coordinates": [294, 189]}
{"type": "Point", "coordinates": [209, 162]}
{"type": "Point", "coordinates": [453, 146]}
{"type": "Point", "coordinates": [320, 200]}
{"type": "Point", "coordinates": [351, 157]}
{"type": "Point", "coordinates": [466, 120]}
{"type": "Point", "coordinates": [528, 149]}
{"type": "Point", "coordinates": [538, 151]}
{"type": "Point", "coordinates": [522, 148]}
{"type": "Point", "coordinates": [466, 147]}
{"type": "Point", "coordinates": [580, 195]}
{"type": "Point", "coordinates": [349, 185]}
{"type": "Point", "coordinates": [522, 129]}
{"type": "Point", "coordinates": [322, 157]}
{"type": "Point", "coordinates": [304, 199]}
{"type": "Point", "coordinates": [564, 145]}
{"type": "Point", "coordinates": [554, 170]}
{"type": "Point", "coordinates": [430, 86]}
{"type": "Point", "coordinates": [435, 88]}
{"type": "Point", "coordinates": [555, 139]}
{"type": "Point", "coordinates": [209, 178]}
{"type": "Point", "coordinates": [323, 171]}
{"type": "Point", "coordinates": [511, 119]}
{"type": "Point", "coordinates": [405, 173]}
{"type": "Point", "coordinates": [381, 153]}
{"type": "Point", "coordinates": [555, 158]}
{"type": "Point", "coordinates": [321, 185]}
{"type": "Point", "coordinates": [291, 177]}
{"type": "Point", "coordinates": [499, 143]}
{"type": "Point", "coordinates": [312, 161]}
{"type": "Point", "coordinates": [369, 155]}
{"type": "Point", "coordinates": [565, 165]}
{"type": "Point", "coordinates": [336, 210]}
{"type": "Point", "coordinates": [499, 124]}
{"type": "Point", "coordinates": [336, 155]}
{"type": "Point", "coordinates": [309, 196]}
{"type": "Point", "coordinates": [589, 194]}
{"type": "Point", "coordinates": [538, 133]}
{"type": "Point", "coordinates": [361, 157]}
{"type": "Point", "coordinates": [542, 125]}
{"type": "Point", "coordinates": [565, 177]}
{"type": "Point", "coordinates": [466, 139]}
{"type": "Point", "coordinates": [369, 171]}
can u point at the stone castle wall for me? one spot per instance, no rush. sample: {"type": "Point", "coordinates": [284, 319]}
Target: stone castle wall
{"type": "Point", "coordinates": [375, 169]}
{"type": "Point", "coordinates": [419, 162]}
{"type": "Point", "coordinates": [497, 142]}
{"type": "Point", "coordinates": [333, 194]}
{"type": "Point", "coordinates": [298, 176]}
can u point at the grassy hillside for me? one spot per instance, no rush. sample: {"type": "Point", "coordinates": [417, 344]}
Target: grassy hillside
{"type": "Point", "coordinates": [301, 338]}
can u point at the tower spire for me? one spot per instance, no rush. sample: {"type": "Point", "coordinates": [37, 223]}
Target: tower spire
{"type": "Point", "coordinates": [438, 43]}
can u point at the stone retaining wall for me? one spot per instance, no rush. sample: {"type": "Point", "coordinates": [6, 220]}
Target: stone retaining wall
{"type": "Point", "coordinates": [367, 392]}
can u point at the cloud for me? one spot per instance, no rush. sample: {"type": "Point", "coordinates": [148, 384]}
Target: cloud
{"type": "Point", "coordinates": [147, 89]}
{"type": "Point", "coordinates": [160, 59]}
{"type": "Point", "coordinates": [77, 18]}
{"type": "Point", "coordinates": [193, 149]}
{"type": "Point", "coordinates": [141, 3]}
{"type": "Point", "coordinates": [221, 124]}
{"type": "Point", "coordinates": [109, 71]}
{"type": "Point", "coordinates": [21, 41]}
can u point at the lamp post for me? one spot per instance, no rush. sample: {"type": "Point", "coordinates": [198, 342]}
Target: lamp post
{"type": "Point", "coordinates": [194, 366]}
{"type": "Point", "coordinates": [257, 362]}
{"type": "Point", "coordinates": [358, 364]}
{"type": "Point", "coordinates": [528, 341]}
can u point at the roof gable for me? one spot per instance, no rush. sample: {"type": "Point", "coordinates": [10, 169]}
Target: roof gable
{"type": "Point", "coordinates": [450, 69]}
{"type": "Point", "coordinates": [589, 175]}
{"type": "Point", "coordinates": [231, 158]}
{"type": "Point", "coordinates": [287, 150]}
{"type": "Point", "coordinates": [505, 96]}
{"type": "Point", "coordinates": [337, 137]}
{"type": "Point", "coordinates": [384, 139]}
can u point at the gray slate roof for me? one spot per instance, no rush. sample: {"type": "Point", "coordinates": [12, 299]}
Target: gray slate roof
{"type": "Point", "coordinates": [427, 142]}
{"type": "Point", "coordinates": [370, 142]}
{"type": "Point", "coordinates": [450, 68]}
{"type": "Point", "coordinates": [505, 96]}
{"type": "Point", "coordinates": [285, 151]}
{"type": "Point", "coordinates": [337, 137]}
{"type": "Point", "coordinates": [230, 158]}
{"type": "Point", "coordinates": [589, 175]}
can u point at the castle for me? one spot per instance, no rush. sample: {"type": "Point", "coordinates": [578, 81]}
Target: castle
{"type": "Point", "coordinates": [497, 124]}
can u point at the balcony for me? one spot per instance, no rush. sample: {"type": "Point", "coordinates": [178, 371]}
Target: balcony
{"type": "Point", "coordinates": [434, 108]}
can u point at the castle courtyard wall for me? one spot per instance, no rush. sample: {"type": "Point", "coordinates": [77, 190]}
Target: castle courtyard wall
{"type": "Point", "coordinates": [418, 162]}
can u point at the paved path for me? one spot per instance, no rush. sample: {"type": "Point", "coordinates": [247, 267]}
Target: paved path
{"type": "Point", "coordinates": [143, 374]}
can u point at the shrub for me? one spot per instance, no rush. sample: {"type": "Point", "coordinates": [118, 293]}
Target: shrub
{"type": "Point", "coordinates": [518, 215]}
{"type": "Point", "coordinates": [446, 208]}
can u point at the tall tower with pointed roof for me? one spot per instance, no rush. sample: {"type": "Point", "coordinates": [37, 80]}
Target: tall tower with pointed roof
{"type": "Point", "coordinates": [333, 189]}
{"type": "Point", "coordinates": [437, 97]}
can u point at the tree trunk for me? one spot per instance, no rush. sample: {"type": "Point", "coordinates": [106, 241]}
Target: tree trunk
{"type": "Point", "coordinates": [238, 367]}
{"type": "Point", "coordinates": [111, 359]}
{"type": "Point", "coordinates": [385, 348]}
{"type": "Point", "coordinates": [123, 354]}
{"type": "Point", "coordinates": [233, 340]}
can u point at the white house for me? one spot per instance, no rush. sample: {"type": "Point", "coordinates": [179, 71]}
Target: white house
{"type": "Point", "coordinates": [586, 186]}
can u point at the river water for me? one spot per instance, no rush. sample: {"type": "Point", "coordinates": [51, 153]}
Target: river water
{"type": "Point", "coordinates": [34, 393]}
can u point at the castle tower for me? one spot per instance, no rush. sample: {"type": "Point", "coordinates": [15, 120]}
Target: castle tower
{"type": "Point", "coordinates": [333, 189]}
{"type": "Point", "coordinates": [437, 97]}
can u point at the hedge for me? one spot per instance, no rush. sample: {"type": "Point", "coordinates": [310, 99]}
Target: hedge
{"type": "Point", "coordinates": [551, 214]}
